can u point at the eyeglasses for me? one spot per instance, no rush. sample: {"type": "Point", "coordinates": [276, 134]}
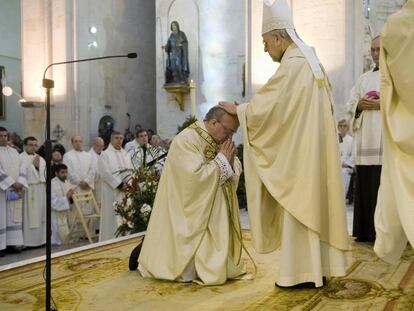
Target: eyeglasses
{"type": "Point", "coordinates": [266, 42]}
{"type": "Point", "coordinates": [227, 129]}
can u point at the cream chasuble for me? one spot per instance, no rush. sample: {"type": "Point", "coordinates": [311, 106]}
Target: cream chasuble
{"type": "Point", "coordinates": [11, 211]}
{"type": "Point", "coordinates": [195, 223]}
{"type": "Point", "coordinates": [292, 165]}
{"type": "Point", "coordinates": [394, 214]}
{"type": "Point", "coordinates": [110, 163]}
{"type": "Point", "coordinates": [34, 204]}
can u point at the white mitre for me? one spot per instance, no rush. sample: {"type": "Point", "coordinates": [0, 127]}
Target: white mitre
{"type": "Point", "coordinates": [277, 15]}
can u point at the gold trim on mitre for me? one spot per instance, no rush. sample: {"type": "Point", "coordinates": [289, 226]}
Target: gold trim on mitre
{"type": "Point", "coordinates": [276, 15]}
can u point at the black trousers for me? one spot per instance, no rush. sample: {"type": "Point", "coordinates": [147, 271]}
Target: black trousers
{"type": "Point", "coordinates": [367, 181]}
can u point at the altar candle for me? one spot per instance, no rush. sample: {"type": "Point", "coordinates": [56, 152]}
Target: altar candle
{"type": "Point", "coordinates": [193, 89]}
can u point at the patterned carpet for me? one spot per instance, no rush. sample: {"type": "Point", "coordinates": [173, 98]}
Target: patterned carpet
{"type": "Point", "coordinates": [98, 279]}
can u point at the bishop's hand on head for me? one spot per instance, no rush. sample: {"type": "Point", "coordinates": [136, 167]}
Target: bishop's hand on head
{"type": "Point", "coordinates": [229, 107]}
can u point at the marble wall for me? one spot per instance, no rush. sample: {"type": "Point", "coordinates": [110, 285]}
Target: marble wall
{"type": "Point", "coordinates": [216, 33]}
{"type": "Point", "coordinates": [10, 59]}
{"type": "Point", "coordinates": [223, 37]}
{"type": "Point", "coordinates": [59, 30]}
{"type": "Point", "coordinates": [376, 13]}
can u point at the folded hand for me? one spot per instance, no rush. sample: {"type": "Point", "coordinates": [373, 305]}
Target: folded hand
{"type": "Point", "coordinates": [228, 149]}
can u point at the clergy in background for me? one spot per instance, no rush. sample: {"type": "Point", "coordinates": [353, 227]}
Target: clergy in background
{"type": "Point", "coordinates": [295, 194]}
{"type": "Point", "coordinates": [346, 148]}
{"type": "Point", "coordinates": [95, 152]}
{"type": "Point", "coordinates": [363, 109]}
{"type": "Point", "coordinates": [80, 166]}
{"type": "Point", "coordinates": [80, 175]}
{"type": "Point", "coordinates": [144, 153]}
{"type": "Point", "coordinates": [34, 204]}
{"type": "Point", "coordinates": [394, 215]}
{"type": "Point", "coordinates": [194, 230]}
{"type": "Point", "coordinates": [111, 167]}
{"type": "Point", "coordinates": [61, 199]}
{"type": "Point", "coordinates": [12, 186]}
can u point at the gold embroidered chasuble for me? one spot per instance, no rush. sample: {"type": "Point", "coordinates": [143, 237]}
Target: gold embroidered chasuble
{"type": "Point", "coordinates": [194, 219]}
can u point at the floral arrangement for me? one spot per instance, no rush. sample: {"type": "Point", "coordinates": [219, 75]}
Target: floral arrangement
{"type": "Point", "coordinates": [188, 121]}
{"type": "Point", "coordinates": [134, 209]}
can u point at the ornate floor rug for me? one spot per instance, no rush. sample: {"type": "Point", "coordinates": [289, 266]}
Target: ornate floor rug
{"type": "Point", "coordinates": [98, 279]}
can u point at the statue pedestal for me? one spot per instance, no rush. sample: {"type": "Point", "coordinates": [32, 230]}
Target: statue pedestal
{"type": "Point", "coordinates": [179, 90]}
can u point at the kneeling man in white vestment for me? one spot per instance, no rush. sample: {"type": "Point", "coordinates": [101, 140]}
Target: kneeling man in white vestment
{"type": "Point", "coordinates": [194, 230]}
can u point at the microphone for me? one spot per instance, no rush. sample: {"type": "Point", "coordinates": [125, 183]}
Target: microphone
{"type": "Point", "coordinates": [49, 84]}
{"type": "Point", "coordinates": [129, 55]}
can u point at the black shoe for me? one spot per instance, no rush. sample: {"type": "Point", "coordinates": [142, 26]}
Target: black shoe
{"type": "Point", "coordinates": [2, 253]}
{"type": "Point", "coordinates": [133, 258]}
{"type": "Point", "coordinates": [305, 285]}
{"type": "Point", "coordinates": [370, 240]}
{"type": "Point", "coordinates": [14, 249]}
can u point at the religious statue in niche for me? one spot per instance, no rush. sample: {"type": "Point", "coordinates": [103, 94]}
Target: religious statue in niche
{"type": "Point", "coordinates": [177, 70]}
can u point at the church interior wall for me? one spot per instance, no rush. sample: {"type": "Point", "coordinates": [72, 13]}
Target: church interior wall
{"type": "Point", "coordinates": [10, 59]}
{"type": "Point", "coordinates": [86, 92]}
{"type": "Point", "coordinates": [224, 36]}
{"type": "Point", "coordinates": [215, 31]}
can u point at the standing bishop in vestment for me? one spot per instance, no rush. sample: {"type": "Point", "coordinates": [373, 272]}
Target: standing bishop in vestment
{"type": "Point", "coordinates": [292, 167]}
{"type": "Point", "coordinates": [394, 215]}
{"type": "Point", "coordinates": [34, 207]}
{"type": "Point", "coordinates": [194, 230]}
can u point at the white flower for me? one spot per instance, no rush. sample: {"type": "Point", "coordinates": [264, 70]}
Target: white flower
{"type": "Point", "coordinates": [145, 208]}
{"type": "Point", "coordinates": [129, 202]}
{"type": "Point", "coordinates": [115, 204]}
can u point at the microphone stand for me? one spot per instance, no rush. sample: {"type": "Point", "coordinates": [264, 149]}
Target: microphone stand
{"type": "Point", "coordinates": [49, 84]}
